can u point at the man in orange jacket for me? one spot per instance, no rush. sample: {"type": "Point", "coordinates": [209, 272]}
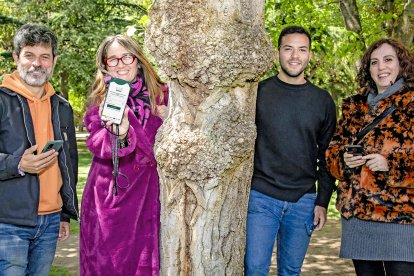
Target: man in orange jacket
{"type": "Point", "coordinates": [37, 189]}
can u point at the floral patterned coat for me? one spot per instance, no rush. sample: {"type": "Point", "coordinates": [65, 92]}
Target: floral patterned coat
{"type": "Point", "coordinates": [362, 193]}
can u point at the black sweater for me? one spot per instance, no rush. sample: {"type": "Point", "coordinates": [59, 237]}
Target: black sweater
{"type": "Point", "coordinates": [295, 124]}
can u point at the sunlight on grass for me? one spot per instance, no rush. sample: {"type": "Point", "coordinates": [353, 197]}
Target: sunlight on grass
{"type": "Point", "coordinates": [84, 162]}
{"type": "Point", "coordinates": [332, 212]}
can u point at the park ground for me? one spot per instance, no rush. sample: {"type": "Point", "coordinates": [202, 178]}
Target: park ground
{"type": "Point", "coordinates": [321, 259]}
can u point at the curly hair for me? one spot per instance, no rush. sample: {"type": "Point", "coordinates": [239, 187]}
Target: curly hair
{"type": "Point", "coordinates": [152, 80]}
{"type": "Point", "coordinates": [405, 58]}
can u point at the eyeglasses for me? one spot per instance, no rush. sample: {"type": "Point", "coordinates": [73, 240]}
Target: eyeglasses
{"type": "Point", "coordinates": [126, 60]}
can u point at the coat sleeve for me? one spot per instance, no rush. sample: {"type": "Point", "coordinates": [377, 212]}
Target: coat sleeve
{"type": "Point", "coordinates": [73, 147]}
{"type": "Point", "coordinates": [326, 183]}
{"type": "Point", "coordinates": [9, 166]}
{"type": "Point", "coordinates": [9, 161]}
{"type": "Point", "coordinates": [401, 158]}
{"type": "Point", "coordinates": [99, 140]}
{"type": "Point", "coordinates": [335, 151]}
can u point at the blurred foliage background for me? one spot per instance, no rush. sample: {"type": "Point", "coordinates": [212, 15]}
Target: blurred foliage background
{"type": "Point", "coordinates": [340, 29]}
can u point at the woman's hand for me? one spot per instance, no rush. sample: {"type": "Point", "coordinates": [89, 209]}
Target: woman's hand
{"type": "Point", "coordinates": [376, 162]}
{"type": "Point", "coordinates": [162, 111]}
{"type": "Point", "coordinates": [353, 161]}
{"type": "Point", "coordinates": [123, 127]}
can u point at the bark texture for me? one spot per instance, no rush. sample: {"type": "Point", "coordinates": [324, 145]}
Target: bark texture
{"type": "Point", "coordinates": [349, 11]}
{"type": "Point", "coordinates": [213, 53]}
{"type": "Point", "coordinates": [404, 29]}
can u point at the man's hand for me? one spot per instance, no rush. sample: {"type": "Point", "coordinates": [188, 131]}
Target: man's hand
{"type": "Point", "coordinates": [31, 163]}
{"type": "Point", "coordinates": [64, 230]}
{"type": "Point", "coordinates": [320, 217]}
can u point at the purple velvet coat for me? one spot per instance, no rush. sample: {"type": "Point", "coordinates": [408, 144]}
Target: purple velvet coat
{"type": "Point", "coordinates": [120, 234]}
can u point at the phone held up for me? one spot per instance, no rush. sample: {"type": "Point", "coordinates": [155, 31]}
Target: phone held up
{"type": "Point", "coordinates": [56, 145]}
{"type": "Point", "coordinates": [355, 150]}
{"type": "Point", "coordinates": [115, 100]}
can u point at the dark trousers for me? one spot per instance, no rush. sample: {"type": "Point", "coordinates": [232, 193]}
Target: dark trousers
{"type": "Point", "coordinates": [382, 268]}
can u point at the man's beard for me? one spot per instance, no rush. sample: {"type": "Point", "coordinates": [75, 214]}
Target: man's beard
{"type": "Point", "coordinates": [290, 73]}
{"type": "Point", "coordinates": [31, 80]}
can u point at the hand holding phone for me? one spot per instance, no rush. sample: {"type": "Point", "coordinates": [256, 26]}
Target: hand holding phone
{"type": "Point", "coordinates": [115, 100]}
{"type": "Point", "coordinates": [355, 150]}
{"type": "Point", "coordinates": [353, 156]}
{"type": "Point", "coordinates": [56, 145]}
{"type": "Point", "coordinates": [36, 163]}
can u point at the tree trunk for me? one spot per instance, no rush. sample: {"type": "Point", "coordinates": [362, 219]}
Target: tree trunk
{"type": "Point", "coordinates": [350, 15]}
{"type": "Point", "coordinates": [387, 7]}
{"type": "Point", "coordinates": [349, 11]}
{"type": "Point", "coordinates": [64, 80]}
{"type": "Point", "coordinates": [404, 29]}
{"type": "Point", "coordinates": [213, 53]}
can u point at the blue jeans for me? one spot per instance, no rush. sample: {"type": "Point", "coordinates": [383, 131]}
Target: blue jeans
{"type": "Point", "coordinates": [268, 218]}
{"type": "Point", "coordinates": [29, 250]}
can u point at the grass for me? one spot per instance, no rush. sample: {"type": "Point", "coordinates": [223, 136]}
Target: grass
{"type": "Point", "coordinates": [59, 271]}
{"type": "Point", "coordinates": [84, 162]}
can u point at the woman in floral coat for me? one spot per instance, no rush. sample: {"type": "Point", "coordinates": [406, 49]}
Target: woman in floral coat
{"type": "Point", "coordinates": [376, 189]}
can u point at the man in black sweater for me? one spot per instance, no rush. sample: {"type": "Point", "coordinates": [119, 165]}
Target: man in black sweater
{"type": "Point", "coordinates": [295, 122]}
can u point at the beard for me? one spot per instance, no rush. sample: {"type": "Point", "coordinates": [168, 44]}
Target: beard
{"type": "Point", "coordinates": [39, 79]}
{"type": "Point", "coordinates": [292, 73]}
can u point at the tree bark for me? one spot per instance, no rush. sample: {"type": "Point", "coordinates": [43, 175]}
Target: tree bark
{"type": "Point", "coordinates": [349, 11]}
{"type": "Point", "coordinates": [350, 15]}
{"type": "Point", "coordinates": [404, 29]}
{"type": "Point", "coordinates": [213, 53]}
{"type": "Point", "coordinates": [64, 80]}
{"type": "Point", "coordinates": [387, 7]}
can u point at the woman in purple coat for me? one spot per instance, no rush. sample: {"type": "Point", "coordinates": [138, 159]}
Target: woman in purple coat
{"type": "Point", "coordinates": [120, 205]}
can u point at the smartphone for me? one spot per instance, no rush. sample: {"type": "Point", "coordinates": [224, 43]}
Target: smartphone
{"type": "Point", "coordinates": [356, 150]}
{"type": "Point", "coordinates": [115, 100]}
{"type": "Point", "coordinates": [56, 145]}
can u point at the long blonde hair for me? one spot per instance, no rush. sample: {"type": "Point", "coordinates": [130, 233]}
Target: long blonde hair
{"type": "Point", "coordinates": [152, 80]}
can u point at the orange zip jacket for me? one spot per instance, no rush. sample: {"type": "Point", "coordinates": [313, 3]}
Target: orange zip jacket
{"type": "Point", "coordinates": [50, 179]}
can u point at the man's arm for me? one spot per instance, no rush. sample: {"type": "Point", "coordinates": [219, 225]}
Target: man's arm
{"type": "Point", "coordinates": [9, 166]}
{"type": "Point", "coordinates": [326, 182]}
{"type": "Point", "coordinates": [320, 217]}
{"type": "Point", "coordinates": [64, 230]}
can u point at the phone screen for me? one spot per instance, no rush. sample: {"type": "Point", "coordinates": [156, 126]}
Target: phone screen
{"type": "Point", "coordinates": [115, 100]}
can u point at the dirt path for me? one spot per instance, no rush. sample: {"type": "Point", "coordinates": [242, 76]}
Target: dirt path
{"type": "Point", "coordinates": [322, 256]}
{"type": "Point", "coordinates": [321, 259]}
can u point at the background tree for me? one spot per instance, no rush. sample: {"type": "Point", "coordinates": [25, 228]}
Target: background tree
{"type": "Point", "coordinates": [341, 30]}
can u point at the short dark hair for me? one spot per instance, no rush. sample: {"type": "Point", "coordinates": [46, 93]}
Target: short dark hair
{"type": "Point", "coordinates": [293, 30]}
{"type": "Point", "coordinates": [34, 34]}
